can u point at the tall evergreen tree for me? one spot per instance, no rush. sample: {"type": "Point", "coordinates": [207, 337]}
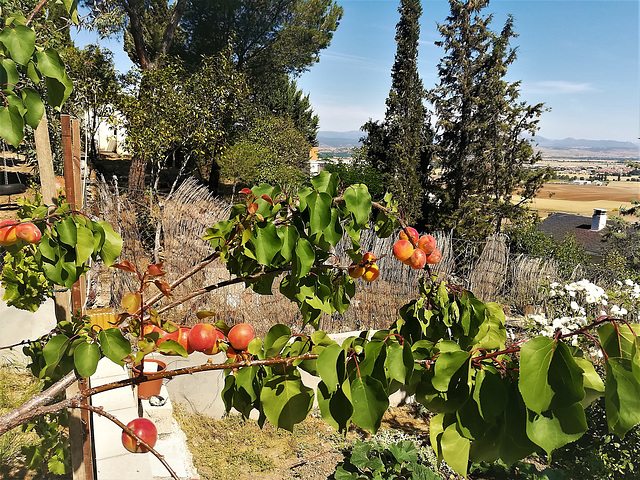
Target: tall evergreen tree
{"type": "Point", "coordinates": [398, 147]}
{"type": "Point", "coordinates": [482, 127]}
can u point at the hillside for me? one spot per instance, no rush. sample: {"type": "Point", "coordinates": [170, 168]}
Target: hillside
{"type": "Point", "coordinates": [550, 148]}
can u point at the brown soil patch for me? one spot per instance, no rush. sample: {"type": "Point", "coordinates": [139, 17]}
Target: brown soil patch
{"type": "Point", "coordinates": [615, 191]}
{"type": "Point", "coordinates": [582, 199]}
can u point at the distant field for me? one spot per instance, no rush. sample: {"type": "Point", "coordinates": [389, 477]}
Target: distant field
{"type": "Point", "coordinates": [582, 199]}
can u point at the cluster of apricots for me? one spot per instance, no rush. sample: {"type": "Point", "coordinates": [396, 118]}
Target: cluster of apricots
{"type": "Point", "coordinates": [202, 337]}
{"type": "Point", "coordinates": [11, 232]}
{"type": "Point", "coordinates": [415, 250]}
{"type": "Point", "coordinates": [206, 338]}
{"type": "Point", "coordinates": [368, 270]}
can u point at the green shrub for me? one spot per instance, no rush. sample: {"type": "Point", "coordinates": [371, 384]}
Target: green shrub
{"type": "Point", "coordinates": [377, 461]}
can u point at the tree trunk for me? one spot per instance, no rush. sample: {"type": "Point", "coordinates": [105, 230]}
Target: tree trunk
{"type": "Point", "coordinates": [137, 175]}
{"type": "Point", "coordinates": [214, 178]}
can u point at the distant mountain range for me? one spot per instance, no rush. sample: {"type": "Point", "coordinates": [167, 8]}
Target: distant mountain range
{"type": "Point", "coordinates": [351, 138]}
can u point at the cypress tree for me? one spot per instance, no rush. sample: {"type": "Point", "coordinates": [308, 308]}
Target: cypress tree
{"type": "Point", "coordinates": [397, 147]}
{"type": "Point", "coordinates": [482, 128]}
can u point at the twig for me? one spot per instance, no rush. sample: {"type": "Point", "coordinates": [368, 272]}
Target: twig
{"type": "Point", "coordinates": [102, 412]}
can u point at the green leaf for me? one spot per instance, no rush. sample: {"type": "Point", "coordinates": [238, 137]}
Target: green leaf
{"type": "Point", "coordinates": [304, 258]}
{"type": "Point", "coordinates": [275, 340]}
{"type": "Point", "coordinates": [11, 125]}
{"type": "Point", "coordinates": [622, 395]}
{"type": "Point", "coordinates": [533, 383]}
{"type": "Point", "coordinates": [358, 201]}
{"type": "Point", "coordinates": [370, 401]}
{"type": "Point", "coordinates": [288, 239]}
{"type": "Point", "coordinates": [20, 41]}
{"type": "Point", "coordinates": [286, 400]}
{"type": "Point", "coordinates": [35, 107]}
{"type": "Point", "coordinates": [446, 366]}
{"type": "Point", "coordinates": [51, 65]}
{"type": "Point", "coordinates": [67, 231]}
{"type": "Point", "coordinates": [335, 407]}
{"type": "Point", "coordinates": [319, 205]}
{"type": "Point", "coordinates": [266, 243]}
{"type": "Point", "coordinates": [326, 182]}
{"type": "Point", "coordinates": [8, 74]}
{"type": "Point", "coordinates": [490, 393]}
{"type": "Point", "coordinates": [327, 366]}
{"type": "Point", "coordinates": [112, 245]}
{"type": "Point", "coordinates": [455, 449]}
{"type": "Point", "coordinates": [593, 384]}
{"type": "Point", "coordinates": [58, 91]}
{"type": "Point", "coordinates": [84, 244]}
{"type": "Point", "coordinates": [399, 362]}
{"type": "Point", "coordinates": [85, 359]}
{"type": "Point", "coordinates": [54, 350]}
{"type": "Point", "coordinates": [554, 429]}
{"type": "Point", "coordinates": [565, 378]}
{"type": "Point", "coordinates": [114, 345]}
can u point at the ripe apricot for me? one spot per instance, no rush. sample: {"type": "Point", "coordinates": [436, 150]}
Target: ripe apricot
{"type": "Point", "coordinates": [413, 234]}
{"type": "Point", "coordinates": [355, 271]}
{"type": "Point", "coordinates": [434, 257]}
{"type": "Point", "coordinates": [371, 273]}
{"type": "Point", "coordinates": [402, 250]}
{"type": "Point", "coordinates": [427, 244]}
{"type": "Point", "coordinates": [418, 259]}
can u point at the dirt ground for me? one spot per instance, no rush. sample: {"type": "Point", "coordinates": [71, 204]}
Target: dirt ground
{"type": "Point", "coordinates": [582, 199]}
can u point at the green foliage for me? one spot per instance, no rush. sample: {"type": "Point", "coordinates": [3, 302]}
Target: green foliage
{"type": "Point", "coordinates": [622, 254]}
{"type": "Point", "coordinates": [272, 37]}
{"type": "Point", "coordinates": [52, 453]}
{"type": "Point", "coordinates": [169, 111]}
{"type": "Point", "coordinates": [378, 461]}
{"type": "Point", "coordinates": [398, 147]}
{"type": "Point", "coordinates": [602, 455]}
{"type": "Point", "coordinates": [69, 241]}
{"type": "Point", "coordinates": [358, 171]}
{"type": "Point", "coordinates": [529, 240]}
{"type": "Point", "coordinates": [27, 63]}
{"type": "Point", "coordinates": [482, 127]}
{"type": "Point", "coordinates": [271, 151]}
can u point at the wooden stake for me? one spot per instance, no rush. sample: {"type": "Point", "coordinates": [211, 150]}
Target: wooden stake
{"type": "Point", "coordinates": [80, 428]}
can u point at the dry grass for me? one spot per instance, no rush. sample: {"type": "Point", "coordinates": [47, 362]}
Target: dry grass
{"type": "Point", "coordinates": [16, 386]}
{"type": "Point", "coordinates": [237, 449]}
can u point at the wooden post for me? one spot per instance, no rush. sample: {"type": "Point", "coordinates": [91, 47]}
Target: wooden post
{"type": "Point", "coordinates": [80, 428]}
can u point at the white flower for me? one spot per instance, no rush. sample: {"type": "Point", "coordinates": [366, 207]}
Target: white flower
{"type": "Point", "coordinates": [572, 293]}
{"type": "Point", "coordinates": [554, 285]}
{"type": "Point", "coordinates": [623, 311]}
{"type": "Point", "coordinates": [629, 282]}
{"type": "Point", "coordinates": [574, 305]}
{"type": "Point", "coordinates": [604, 302]}
{"type": "Point", "coordinates": [552, 293]}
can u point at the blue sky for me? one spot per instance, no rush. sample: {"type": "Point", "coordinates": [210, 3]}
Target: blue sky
{"type": "Point", "coordinates": [579, 57]}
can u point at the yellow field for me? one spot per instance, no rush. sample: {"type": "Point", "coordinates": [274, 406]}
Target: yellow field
{"type": "Point", "coordinates": [582, 199]}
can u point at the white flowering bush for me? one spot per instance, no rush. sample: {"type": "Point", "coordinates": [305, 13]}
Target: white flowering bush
{"type": "Point", "coordinates": [572, 306]}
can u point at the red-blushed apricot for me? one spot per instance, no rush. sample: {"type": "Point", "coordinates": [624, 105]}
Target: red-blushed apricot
{"type": "Point", "coordinates": [434, 257]}
{"type": "Point", "coordinates": [418, 259]}
{"type": "Point", "coordinates": [8, 234]}
{"type": "Point", "coordinates": [355, 271]}
{"type": "Point", "coordinates": [202, 336]}
{"type": "Point", "coordinates": [402, 250]}
{"type": "Point", "coordinates": [427, 244]}
{"type": "Point", "coordinates": [240, 335]}
{"type": "Point", "coordinates": [413, 235]}
{"type": "Point", "coordinates": [369, 257]}
{"type": "Point", "coordinates": [145, 430]}
{"type": "Point", "coordinates": [28, 232]}
{"type": "Point", "coordinates": [371, 273]}
{"type": "Point", "coordinates": [216, 347]}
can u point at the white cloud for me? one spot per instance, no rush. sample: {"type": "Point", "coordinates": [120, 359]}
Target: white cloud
{"type": "Point", "coordinates": [557, 87]}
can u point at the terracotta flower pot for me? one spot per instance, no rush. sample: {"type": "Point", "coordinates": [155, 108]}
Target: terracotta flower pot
{"type": "Point", "coordinates": [152, 387]}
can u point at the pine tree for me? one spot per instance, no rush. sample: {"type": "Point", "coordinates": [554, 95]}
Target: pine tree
{"type": "Point", "coordinates": [482, 129]}
{"type": "Point", "coordinates": [397, 147]}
